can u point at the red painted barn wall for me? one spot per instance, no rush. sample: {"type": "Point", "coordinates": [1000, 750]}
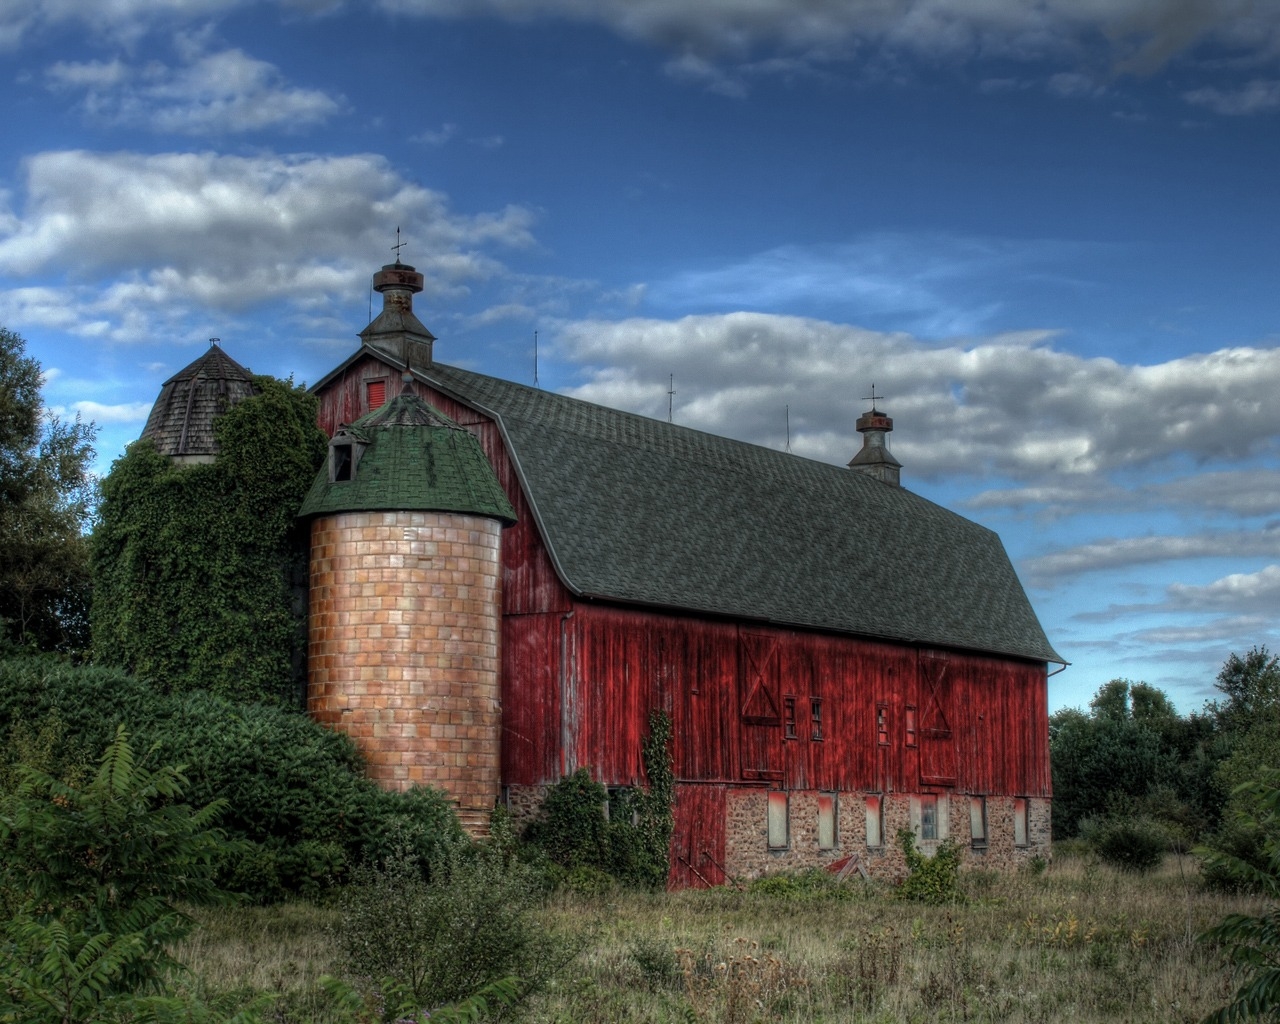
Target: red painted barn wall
{"type": "Point", "coordinates": [727, 687]}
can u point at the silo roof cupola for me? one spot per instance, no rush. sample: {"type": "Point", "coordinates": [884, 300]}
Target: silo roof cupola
{"type": "Point", "coordinates": [407, 457]}
{"type": "Point", "coordinates": [875, 459]}
{"type": "Point", "coordinates": [181, 421]}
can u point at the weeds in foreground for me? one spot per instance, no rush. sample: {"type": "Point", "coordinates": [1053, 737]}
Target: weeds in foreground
{"type": "Point", "coordinates": [1079, 941]}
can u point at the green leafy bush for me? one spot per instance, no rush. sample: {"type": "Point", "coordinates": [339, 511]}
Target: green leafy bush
{"type": "Point", "coordinates": [815, 884]}
{"type": "Point", "coordinates": [934, 880]}
{"type": "Point", "coordinates": [91, 879]}
{"type": "Point", "coordinates": [444, 930]}
{"type": "Point", "coordinates": [294, 791]}
{"type": "Point", "coordinates": [631, 842]}
{"type": "Point", "coordinates": [1131, 843]}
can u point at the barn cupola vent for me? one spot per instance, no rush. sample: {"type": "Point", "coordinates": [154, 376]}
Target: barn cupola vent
{"type": "Point", "coordinates": [396, 331]}
{"type": "Point", "coordinates": [875, 459]}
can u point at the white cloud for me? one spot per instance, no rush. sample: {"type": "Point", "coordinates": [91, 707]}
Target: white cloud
{"type": "Point", "coordinates": [1259, 96]}
{"type": "Point", "coordinates": [1118, 553]}
{"type": "Point", "coordinates": [214, 94]}
{"type": "Point", "coordinates": [436, 138]}
{"type": "Point", "coordinates": [1257, 592]}
{"type": "Point", "coordinates": [1138, 34]}
{"type": "Point", "coordinates": [1008, 405]}
{"type": "Point", "coordinates": [97, 412]}
{"type": "Point", "coordinates": [176, 231]}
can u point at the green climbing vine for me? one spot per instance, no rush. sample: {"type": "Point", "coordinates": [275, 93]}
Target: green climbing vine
{"type": "Point", "coordinates": [199, 571]}
{"type": "Point", "coordinates": [632, 841]}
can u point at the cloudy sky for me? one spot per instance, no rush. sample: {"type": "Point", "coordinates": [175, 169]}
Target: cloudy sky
{"type": "Point", "coordinates": [1047, 232]}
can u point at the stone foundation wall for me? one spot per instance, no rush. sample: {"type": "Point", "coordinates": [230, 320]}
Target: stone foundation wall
{"type": "Point", "coordinates": [748, 855]}
{"type": "Point", "coordinates": [405, 613]}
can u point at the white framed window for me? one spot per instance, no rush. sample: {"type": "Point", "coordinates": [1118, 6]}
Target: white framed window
{"type": "Point", "coordinates": [929, 817]}
{"type": "Point", "coordinates": [778, 821]}
{"type": "Point", "coordinates": [875, 821]}
{"type": "Point", "coordinates": [827, 810]}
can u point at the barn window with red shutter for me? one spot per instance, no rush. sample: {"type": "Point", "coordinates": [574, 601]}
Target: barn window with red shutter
{"type": "Point", "coordinates": [377, 394]}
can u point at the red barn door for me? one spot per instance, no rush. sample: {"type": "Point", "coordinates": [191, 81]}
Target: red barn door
{"type": "Point", "coordinates": [761, 715]}
{"type": "Point", "coordinates": [937, 738]}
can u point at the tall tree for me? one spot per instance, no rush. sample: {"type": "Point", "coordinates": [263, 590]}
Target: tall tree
{"type": "Point", "coordinates": [46, 498]}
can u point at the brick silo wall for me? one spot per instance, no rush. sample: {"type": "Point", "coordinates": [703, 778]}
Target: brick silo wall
{"type": "Point", "coordinates": [405, 612]}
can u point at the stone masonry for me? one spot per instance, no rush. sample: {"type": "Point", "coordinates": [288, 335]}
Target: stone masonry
{"type": "Point", "coordinates": [748, 854]}
{"type": "Point", "coordinates": [404, 657]}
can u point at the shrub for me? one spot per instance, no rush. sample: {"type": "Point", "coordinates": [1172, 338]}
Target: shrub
{"type": "Point", "coordinates": [294, 790]}
{"type": "Point", "coordinates": [935, 879]}
{"type": "Point", "coordinates": [632, 842]}
{"type": "Point", "coordinates": [815, 884]}
{"type": "Point", "coordinates": [447, 929]}
{"type": "Point", "coordinates": [1131, 843]}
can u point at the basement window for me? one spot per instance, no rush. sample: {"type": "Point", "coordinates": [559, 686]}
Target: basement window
{"type": "Point", "coordinates": [875, 822]}
{"type": "Point", "coordinates": [778, 823]}
{"type": "Point", "coordinates": [978, 822]}
{"type": "Point", "coordinates": [929, 817]}
{"type": "Point", "coordinates": [1019, 822]}
{"type": "Point", "coordinates": [826, 821]}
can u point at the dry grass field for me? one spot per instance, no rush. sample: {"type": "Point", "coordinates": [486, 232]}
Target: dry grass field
{"type": "Point", "coordinates": [1078, 942]}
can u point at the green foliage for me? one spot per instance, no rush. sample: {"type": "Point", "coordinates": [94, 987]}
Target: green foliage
{"type": "Point", "coordinates": [934, 880]}
{"type": "Point", "coordinates": [90, 882]}
{"type": "Point", "coordinates": [1133, 750]}
{"type": "Point", "coordinates": [1251, 690]}
{"type": "Point", "coordinates": [1252, 941]}
{"type": "Point", "coordinates": [805, 886]}
{"type": "Point", "coordinates": [442, 931]}
{"type": "Point", "coordinates": [1129, 842]}
{"type": "Point", "coordinates": [632, 841]}
{"type": "Point", "coordinates": [46, 499]}
{"type": "Point", "coordinates": [198, 570]}
{"type": "Point", "coordinates": [294, 791]}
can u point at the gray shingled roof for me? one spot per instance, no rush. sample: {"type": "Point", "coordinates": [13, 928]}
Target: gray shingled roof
{"type": "Point", "coordinates": [637, 510]}
{"type": "Point", "coordinates": [181, 421]}
{"type": "Point", "coordinates": [415, 459]}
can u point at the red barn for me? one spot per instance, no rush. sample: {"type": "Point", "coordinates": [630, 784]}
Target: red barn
{"type": "Point", "coordinates": [840, 658]}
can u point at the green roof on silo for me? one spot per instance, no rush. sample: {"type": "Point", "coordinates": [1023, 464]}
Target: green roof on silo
{"type": "Point", "coordinates": [412, 458]}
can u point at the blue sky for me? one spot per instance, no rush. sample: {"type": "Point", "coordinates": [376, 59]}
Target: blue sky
{"type": "Point", "coordinates": [1046, 232]}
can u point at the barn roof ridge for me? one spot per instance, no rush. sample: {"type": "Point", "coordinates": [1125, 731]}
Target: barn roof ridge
{"type": "Point", "coordinates": [636, 510]}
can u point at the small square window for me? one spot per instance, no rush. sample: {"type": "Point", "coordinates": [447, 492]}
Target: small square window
{"type": "Point", "coordinates": [377, 394]}
{"type": "Point", "coordinates": [789, 717]}
{"type": "Point", "coordinates": [875, 829]}
{"type": "Point", "coordinates": [826, 821]}
{"type": "Point", "coordinates": [778, 830]}
{"type": "Point", "coordinates": [815, 713]}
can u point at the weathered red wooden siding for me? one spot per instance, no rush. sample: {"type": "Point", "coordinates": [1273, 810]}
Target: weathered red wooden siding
{"type": "Point", "coordinates": [987, 730]}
